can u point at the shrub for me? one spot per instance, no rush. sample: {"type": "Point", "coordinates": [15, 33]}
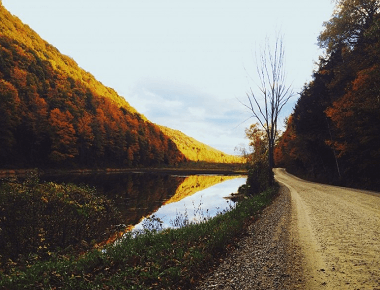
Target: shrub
{"type": "Point", "coordinates": [260, 178]}
{"type": "Point", "coordinates": [37, 219]}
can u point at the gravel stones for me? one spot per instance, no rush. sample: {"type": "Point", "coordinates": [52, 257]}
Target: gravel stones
{"type": "Point", "coordinates": [267, 258]}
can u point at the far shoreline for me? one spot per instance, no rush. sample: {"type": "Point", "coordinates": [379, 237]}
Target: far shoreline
{"type": "Point", "coordinates": [5, 173]}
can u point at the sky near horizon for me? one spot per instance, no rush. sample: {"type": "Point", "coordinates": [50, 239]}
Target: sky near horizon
{"type": "Point", "coordinates": [183, 64]}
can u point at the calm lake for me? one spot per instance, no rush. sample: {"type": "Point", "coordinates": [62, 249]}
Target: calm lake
{"type": "Point", "coordinates": [141, 195]}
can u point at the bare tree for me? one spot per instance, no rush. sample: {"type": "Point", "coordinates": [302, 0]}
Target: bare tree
{"type": "Point", "coordinates": [273, 92]}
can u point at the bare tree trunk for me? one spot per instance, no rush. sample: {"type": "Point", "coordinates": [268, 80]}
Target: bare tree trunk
{"type": "Point", "coordinates": [272, 94]}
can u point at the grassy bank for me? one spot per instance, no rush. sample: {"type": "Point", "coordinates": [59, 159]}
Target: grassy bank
{"type": "Point", "coordinates": [170, 259]}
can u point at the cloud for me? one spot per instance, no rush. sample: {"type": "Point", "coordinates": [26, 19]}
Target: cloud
{"type": "Point", "coordinates": [205, 117]}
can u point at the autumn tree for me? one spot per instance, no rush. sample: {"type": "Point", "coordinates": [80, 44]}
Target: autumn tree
{"type": "Point", "coordinates": [334, 129]}
{"type": "Point", "coordinates": [85, 136]}
{"type": "Point", "coordinates": [63, 136]}
{"type": "Point", "coordinates": [350, 20]}
{"type": "Point", "coordinates": [258, 143]}
{"type": "Point", "coordinates": [285, 152]}
{"type": "Point", "coordinates": [272, 94]}
{"type": "Point", "coordinates": [9, 118]}
{"type": "Point", "coordinates": [33, 136]}
{"type": "Point", "coordinates": [257, 161]}
{"type": "Point", "coordinates": [356, 122]}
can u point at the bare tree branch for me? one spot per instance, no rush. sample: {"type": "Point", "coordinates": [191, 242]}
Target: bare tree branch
{"type": "Point", "coordinates": [272, 90]}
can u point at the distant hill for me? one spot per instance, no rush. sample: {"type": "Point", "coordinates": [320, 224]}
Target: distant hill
{"type": "Point", "coordinates": [55, 114]}
{"type": "Point", "coordinates": [197, 151]}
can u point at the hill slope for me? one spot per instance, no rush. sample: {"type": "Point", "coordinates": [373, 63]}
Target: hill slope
{"type": "Point", "coordinates": [54, 114]}
{"type": "Point", "coordinates": [333, 134]}
{"type": "Point", "coordinates": [197, 151]}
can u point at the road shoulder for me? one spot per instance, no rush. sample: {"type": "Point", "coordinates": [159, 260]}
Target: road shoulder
{"type": "Point", "coordinates": [267, 258]}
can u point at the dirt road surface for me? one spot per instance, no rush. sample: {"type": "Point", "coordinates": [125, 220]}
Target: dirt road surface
{"type": "Point", "coordinates": [338, 231]}
{"type": "Point", "coordinates": [312, 236]}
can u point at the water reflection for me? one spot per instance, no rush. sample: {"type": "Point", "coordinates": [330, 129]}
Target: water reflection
{"type": "Point", "coordinates": [134, 194]}
{"type": "Point", "coordinates": [139, 195]}
{"type": "Point", "coordinates": [195, 183]}
{"type": "Point", "coordinates": [205, 203]}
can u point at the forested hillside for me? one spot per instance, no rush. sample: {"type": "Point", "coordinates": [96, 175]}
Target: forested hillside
{"type": "Point", "coordinates": [55, 114]}
{"type": "Point", "coordinates": [197, 151]}
{"type": "Point", "coordinates": [333, 134]}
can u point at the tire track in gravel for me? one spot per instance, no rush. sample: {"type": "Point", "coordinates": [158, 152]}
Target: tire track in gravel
{"type": "Point", "coordinates": [338, 230]}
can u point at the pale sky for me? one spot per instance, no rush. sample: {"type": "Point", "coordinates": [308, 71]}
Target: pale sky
{"type": "Point", "coordinates": [183, 64]}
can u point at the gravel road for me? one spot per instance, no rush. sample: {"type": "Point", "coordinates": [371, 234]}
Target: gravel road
{"type": "Point", "coordinates": [313, 236]}
{"type": "Point", "coordinates": [339, 233]}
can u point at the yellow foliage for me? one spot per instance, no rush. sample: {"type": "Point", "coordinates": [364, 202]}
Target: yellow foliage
{"type": "Point", "coordinates": [197, 151]}
{"type": "Point", "coordinates": [13, 28]}
{"type": "Point", "coordinates": [195, 183]}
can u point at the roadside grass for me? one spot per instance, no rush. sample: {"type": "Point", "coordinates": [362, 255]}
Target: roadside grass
{"type": "Point", "coordinates": [167, 259]}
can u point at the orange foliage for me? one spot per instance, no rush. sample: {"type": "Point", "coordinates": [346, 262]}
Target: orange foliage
{"type": "Point", "coordinates": [63, 136]}
{"type": "Point", "coordinates": [284, 150]}
{"type": "Point", "coordinates": [355, 115]}
{"type": "Point", "coordinates": [196, 151]}
{"type": "Point", "coordinates": [84, 131]}
{"type": "Point", "coordinates": [19, 77]}
{"type": "Point", "coordinates": [54, 113]}
{"type": "Point", "coordinates": [9, 117]}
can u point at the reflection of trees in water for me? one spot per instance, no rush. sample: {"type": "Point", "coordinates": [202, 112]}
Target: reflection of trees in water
{"type": "Point", "coordinates": [194, 183]}
{"type": "Point", "coordinates": [144, 194]}
{"type": "Point", "coordinates": [135, 195]}
{"type": "Point", "coordinates": [139, 195]}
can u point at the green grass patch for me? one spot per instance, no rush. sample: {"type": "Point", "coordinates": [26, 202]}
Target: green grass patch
{"type": "Point", "coordinates": [168, 259]}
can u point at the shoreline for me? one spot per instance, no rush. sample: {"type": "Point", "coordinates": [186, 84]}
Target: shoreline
{"type": "Point", "coordinates": [4, 173]}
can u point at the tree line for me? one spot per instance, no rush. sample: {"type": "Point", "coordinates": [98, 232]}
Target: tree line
{"type": "Point", "coordinates": [333, 135]}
